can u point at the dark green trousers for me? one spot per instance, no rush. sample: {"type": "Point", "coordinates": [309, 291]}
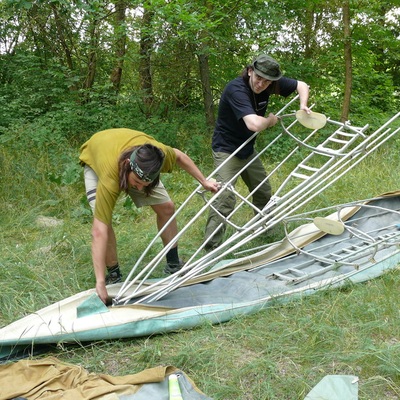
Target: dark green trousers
{"type": "Point", "coordinates": [252, 176]}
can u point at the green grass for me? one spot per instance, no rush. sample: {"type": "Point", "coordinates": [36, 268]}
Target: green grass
{"type": "Point", "coordinates": [278, 353]}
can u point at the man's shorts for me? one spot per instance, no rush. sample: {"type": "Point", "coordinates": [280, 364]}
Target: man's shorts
{"type": "Point", "coordinates": [139, 197]}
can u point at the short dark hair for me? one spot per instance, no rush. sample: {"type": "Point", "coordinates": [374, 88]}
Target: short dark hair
{"type": "Point", "coordinates": [148, 157]}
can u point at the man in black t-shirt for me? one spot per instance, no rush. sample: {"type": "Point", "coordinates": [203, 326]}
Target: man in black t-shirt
{"type": "Point", "coordinates": [241, 112]}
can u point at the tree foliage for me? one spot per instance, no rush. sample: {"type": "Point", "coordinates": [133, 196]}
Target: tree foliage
{"type": "Point", "coordinates": [166, 55]}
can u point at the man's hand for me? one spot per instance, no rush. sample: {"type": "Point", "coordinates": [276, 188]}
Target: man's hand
{"type": "Point", "coordinates": [272, 120]}
{"type": "Point", "coordinates": [306, 109]}
{"type": "Point", "coordinates": [211, 185]}
{"type": "Point", "coordinates": [102, 293]}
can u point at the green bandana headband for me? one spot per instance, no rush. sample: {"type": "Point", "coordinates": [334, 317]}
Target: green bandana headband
{"type": "Point", "coordinates": [139, 172]}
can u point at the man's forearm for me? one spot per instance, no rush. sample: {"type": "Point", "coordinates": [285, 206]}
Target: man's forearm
{"type": "Point", "coordinates": [303, 91]}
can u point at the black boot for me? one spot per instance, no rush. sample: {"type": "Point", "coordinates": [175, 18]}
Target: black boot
{"type": "Point", "coordinates": [113, 275]}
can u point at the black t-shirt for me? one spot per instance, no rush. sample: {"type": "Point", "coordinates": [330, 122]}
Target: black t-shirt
{"type": "Point", "coordinates": [237, 101]}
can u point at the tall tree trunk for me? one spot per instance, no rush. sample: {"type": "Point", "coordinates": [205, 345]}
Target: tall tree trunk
{"type": "Point", "coordinates": [308, 33]}
{"type": "Point", "coordinates": [120, 44]}
{"type": "Point", "coordinates": [206, 87]}
{"type": "Point", "coordinates": [92, 54]}
{"type": "Point", "coordinates": [348, 62]}
{"type": "Point", "coordinates": [312, 23]}
{"type": "Point", "coordinates": [205, 71]}
{"type": "Point", "coordinates": [61, 37]}
{"type": "Point", "coordinates": [146, 48]}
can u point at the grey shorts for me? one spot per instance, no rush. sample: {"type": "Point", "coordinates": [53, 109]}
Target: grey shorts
{"type": "Point", "coordinates": [159, 195]}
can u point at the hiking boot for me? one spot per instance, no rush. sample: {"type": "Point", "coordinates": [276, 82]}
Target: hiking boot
{"type": "Point", "coordinates": [113, 275]}
{"type": "Point", "coordinates": [172, 268]}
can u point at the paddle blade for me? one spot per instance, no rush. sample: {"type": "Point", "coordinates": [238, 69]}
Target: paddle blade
{"type": "Point", "coordinates": [312, 121]}
{"type": "Point", "coordinates": [329, 226]}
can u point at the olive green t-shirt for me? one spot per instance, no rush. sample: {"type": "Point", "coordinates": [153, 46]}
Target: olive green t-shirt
{"type": "Point", "coordinates": [101, 153]}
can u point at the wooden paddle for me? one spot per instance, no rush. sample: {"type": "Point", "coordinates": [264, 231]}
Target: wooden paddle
{"type": "Point", "coordinates": [329, 225]}
{"type": "Point", "coordinates": [313, 120]}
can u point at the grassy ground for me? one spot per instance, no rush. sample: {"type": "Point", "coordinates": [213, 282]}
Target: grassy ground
{"type": "Point", "coordinates": [278, 353]}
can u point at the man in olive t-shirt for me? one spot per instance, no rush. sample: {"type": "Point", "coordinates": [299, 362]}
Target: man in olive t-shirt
{"type": "Point", "coordinates": [117, 157]}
